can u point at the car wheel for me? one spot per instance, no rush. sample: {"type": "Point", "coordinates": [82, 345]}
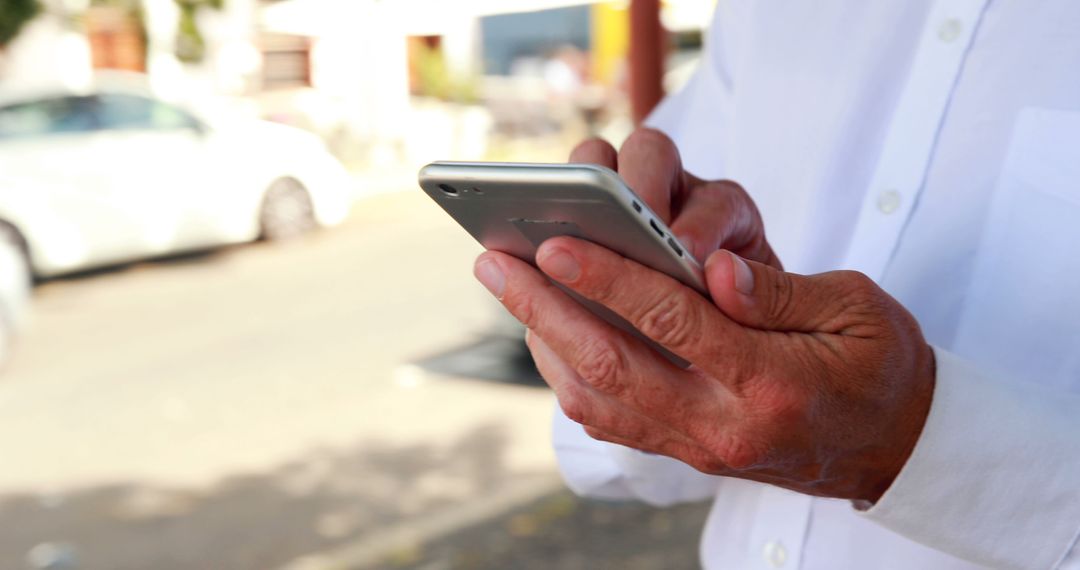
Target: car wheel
{"type": "Point", "coordinates": [287, 211]}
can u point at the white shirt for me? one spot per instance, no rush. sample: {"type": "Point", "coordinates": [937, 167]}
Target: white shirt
{"type": "Point", "coordinates": [935, 146]}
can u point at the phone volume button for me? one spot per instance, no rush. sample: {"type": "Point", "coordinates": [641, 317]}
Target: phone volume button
{"type": "Point", "coordinates": [675, 246]}
{"type": "Point", "coordinates": [656, 228]}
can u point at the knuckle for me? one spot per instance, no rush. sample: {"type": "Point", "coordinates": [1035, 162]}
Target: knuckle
{"type": "Point", "coordinates": [736, 200]}
{"type": "Point", "coordinates": [782, 301]}
{"type": "Point", "coordinates": [862, 293]}
{"type": "Point", "coordinates": [743, 203]}
{"type": "Point", "coordinates": [859, 284]}
{"type": "Point", "coordinates": [708, 463]}
{"type": "Point", "coordinates": [600, 287]}
{"type": "Point", "coordinates": [578, 407]}
{"type": "Point", "coordinates": [780, 404]}
{"type": "Point", "coordinates": [735, 190]}
{"type": "Point", "coordinates": [875, 311]}
{"type": "Point", "coordinates": [599, 435]}
{"type": "Point", "coordinates": [670, 322]}
{"type": "Point", "coordinates": [573, 408]}
{"type": "Point", "coordinates": [601, 366]}
{"type": "Point", "coordinates": [737, 452]}
{"type": "Point", "coordinates": [522, 306]}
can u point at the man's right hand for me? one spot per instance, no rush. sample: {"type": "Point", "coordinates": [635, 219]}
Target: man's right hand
{"type": "Point", "coordinates": [705, 215]}
{"type": "Point", "coordinates": [820, 384]}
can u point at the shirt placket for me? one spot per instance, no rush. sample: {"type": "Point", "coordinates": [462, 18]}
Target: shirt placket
{"type": "Point", "coordinates": [776, 540]}
{"type": "Point", "coordinates": [887, 206]}
{"type": "Point", "coordinates": [913, 131]}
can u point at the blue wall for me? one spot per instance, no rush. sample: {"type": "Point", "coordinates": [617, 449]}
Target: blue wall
{"type": "Point", "coordinates": [509, 36]}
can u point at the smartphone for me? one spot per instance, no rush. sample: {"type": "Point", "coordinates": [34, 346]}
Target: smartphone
{"type": "Point", "coordinates": [515, 207]}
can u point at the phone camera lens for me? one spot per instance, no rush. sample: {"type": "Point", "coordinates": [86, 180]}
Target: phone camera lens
{"type": "Point", "coordinates": [448, 189]}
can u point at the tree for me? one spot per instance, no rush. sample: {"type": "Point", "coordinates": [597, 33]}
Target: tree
{"type": "Point", "coordinates": [190, 45]}
{"type": "Point", "coordinates": [14, 14]}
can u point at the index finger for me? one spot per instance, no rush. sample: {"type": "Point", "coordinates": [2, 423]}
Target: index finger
{"type": "Point", "coordinates": [663, 309]}
{"type": "Point", "coordinates": [607, 359]}
{"type": "Point", "coordinates": [649, 163]}
{"type": "Point", "coordinates": [595, 151]}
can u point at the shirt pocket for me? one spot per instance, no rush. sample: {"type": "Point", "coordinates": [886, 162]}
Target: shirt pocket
{"type": "Point", "coordinates": [1022, 314]}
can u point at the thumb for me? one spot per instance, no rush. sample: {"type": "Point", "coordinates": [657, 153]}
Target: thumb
{"type": "Point", "coordinates": [761, 297]}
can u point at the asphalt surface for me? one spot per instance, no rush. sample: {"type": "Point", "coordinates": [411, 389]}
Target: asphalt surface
{"type": "Point", "coordinates": [565, 532]}
{"type": "Point", "coordinates": [294, 406]}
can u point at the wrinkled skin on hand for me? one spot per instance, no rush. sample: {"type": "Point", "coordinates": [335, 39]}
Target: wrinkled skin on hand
{"type": "Point", "coordinates": [820, 384]}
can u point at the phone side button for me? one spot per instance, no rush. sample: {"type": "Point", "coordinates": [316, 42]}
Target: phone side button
{"type": "Point", "coordinates": [675, 246]}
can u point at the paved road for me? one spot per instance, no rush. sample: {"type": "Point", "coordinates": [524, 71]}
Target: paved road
{"type": "Point", "coordinates": [256, 407]}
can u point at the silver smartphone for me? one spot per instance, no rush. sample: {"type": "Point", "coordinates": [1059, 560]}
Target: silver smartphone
{"type": "Point", "coordinates": [514, 207]}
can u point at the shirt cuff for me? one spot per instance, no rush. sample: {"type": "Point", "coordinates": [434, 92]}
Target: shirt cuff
{"type": "Point", "coordinates": [662, 481]}
{"type": "Point", "coordinates": [995, 474]}
{"type": "Point", "coordinates": [584, 463]}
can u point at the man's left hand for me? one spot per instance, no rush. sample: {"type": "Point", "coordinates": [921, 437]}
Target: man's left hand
{"type": "Point", "coordinates": [820, 384]}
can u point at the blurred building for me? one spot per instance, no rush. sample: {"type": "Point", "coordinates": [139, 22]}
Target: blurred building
{"type": "Point", "coordinates": [399, 80]}
{"type": "Point", "coordinates": [47, 50]}
{"type": "Point", "coordinates": [185, 46]}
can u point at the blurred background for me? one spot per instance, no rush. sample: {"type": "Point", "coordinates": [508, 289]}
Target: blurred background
{"type": "Point", "coordinates": [233, 332]}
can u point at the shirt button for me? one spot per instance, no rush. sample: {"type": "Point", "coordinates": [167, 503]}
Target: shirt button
{"type": "Point", "coordinates": [775, 554]}
{"type": "Point", "coordinates": [950, 30]}
{"type": "Point", "coordinates": [888, 201]}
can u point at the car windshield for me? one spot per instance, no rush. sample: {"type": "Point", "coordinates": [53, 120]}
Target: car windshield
{"type": "Point", "coordinates": [74, 114]}
{"type": "Point", "coordinates": [122, 111]}
{"type": "Point", "coordinates": [70, 114]}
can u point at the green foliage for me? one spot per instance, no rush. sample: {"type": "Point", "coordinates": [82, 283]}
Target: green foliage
{"type": "Point", "coordinates": [14, 14]}
{"type": "Point", "coordinates": [190, 44]}
{"type": "Point", "coordinates": [130, 6]}
{"type": "Point", "coordinates": [436, 81]}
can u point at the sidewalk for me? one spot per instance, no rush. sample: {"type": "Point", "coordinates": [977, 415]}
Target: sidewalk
{"type": "Point", "coordinates": [569, 533]}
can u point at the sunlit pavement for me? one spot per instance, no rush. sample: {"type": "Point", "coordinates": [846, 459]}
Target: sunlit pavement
{"type": "Point", "coordinates": [256, 407]}
{"type": "Point", "coordinates": [270, 375]}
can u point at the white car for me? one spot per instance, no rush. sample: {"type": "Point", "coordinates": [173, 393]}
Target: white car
{"type": "Point", "coordinates": [113, 174]}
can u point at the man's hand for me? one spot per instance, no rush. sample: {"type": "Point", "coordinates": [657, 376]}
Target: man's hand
{"type": "Point", "coordinates": [819, 384]}
{"type": "Point", "coordinates": [704, 215]}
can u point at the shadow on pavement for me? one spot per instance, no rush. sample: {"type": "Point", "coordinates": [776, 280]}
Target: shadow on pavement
{"type": "Point", "coordinates": [193, 257]}
{"type": "Point", "coordinates": [493, 358]}
{"type": "Point", "coordinates": [251, 522]}
{"type": "Point", "coordinates": [569, 533]}
{"type": "Point", "coordinates": [330, 499]}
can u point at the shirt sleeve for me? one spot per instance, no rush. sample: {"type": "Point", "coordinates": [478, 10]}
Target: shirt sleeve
{"type": "Point", "coordinates": [607, 471]}
{"type": "Point", "coordinates": [995, 475]}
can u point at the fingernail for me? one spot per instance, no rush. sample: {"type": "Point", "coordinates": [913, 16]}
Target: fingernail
{"type": "Point", "coordinates": [489, 274]}
{"type": "Point", "coordinates": [559, 264]}
{"type": "Point", "coordinates": [744, 278]}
